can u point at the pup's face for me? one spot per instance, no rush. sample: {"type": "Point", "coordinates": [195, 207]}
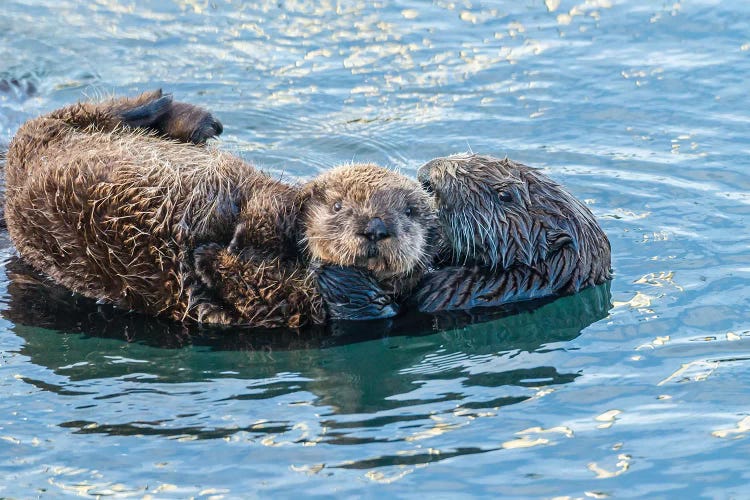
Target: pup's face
{"type": "Point", "coordinates": [368, 216]}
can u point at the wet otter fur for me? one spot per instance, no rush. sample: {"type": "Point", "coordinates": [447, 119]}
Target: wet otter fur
{"type": "Point", "coordinates": [369, 233]}
{"type": "Point", "coordinates": [510, 233]}
{"type": "Point", "coordinates": [119, 202]}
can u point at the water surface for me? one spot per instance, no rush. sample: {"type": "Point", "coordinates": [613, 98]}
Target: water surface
{"type": "Point", "coordinates": [634, 389]}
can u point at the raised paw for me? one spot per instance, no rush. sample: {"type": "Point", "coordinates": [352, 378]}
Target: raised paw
{"type": "Point", "coordinates": [176, 120]}
{"type": "Point", "coordinates": [147, 115]}
{"type": "Point", "coordinates": [190, 123]}
{"type": "Point", "coordinates": [208, 128]}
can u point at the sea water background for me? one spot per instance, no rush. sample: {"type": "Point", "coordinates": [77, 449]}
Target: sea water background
{"type": "Point", "coordinates": [640, 108]}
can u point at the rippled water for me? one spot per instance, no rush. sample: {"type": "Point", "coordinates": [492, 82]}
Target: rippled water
{"type": "Point", "coordinates": [634, 389]}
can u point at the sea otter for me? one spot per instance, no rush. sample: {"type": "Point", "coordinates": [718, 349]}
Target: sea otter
{"type": "Point", "coordinates": [368, 233]}
{"type": "Point", "coordinates": [510, 233]}
{"type": "Point", "coordinates": [119, 201]}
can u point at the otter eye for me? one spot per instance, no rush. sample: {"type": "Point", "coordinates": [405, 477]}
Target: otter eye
{"type": "Point", "coordinates": [408, 211]}
{"type": "Point", "coordinates": [337, 206]}
{"type": "Point", "coordinates": [505, 197]}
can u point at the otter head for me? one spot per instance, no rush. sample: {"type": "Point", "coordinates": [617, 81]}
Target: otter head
{"type": "Point", "coordinates": [370, 217]}
{"type": "Point", "coordinates": [499, 213]}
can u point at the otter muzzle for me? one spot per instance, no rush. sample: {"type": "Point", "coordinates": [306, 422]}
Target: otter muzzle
{"type": "Point", "coordinates": [376, 230]}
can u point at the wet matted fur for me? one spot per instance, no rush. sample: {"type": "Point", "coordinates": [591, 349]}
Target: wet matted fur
{"type": "Point", "coordinates": [359, 274]}
{"type": "Point", "coordinates": [511, 233]}
{"type": "Point", "coordinates": [114, 212]}
{"type": "Point", "coordinates": [114, 201]}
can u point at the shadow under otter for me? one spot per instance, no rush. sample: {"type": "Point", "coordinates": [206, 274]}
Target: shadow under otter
{"type": "Point", "coordinates": [350, 367]}
{"type": "Point", "coordinates": [36, 301]}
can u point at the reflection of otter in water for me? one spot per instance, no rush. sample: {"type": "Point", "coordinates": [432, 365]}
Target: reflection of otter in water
{"type": "Point", "coordinates": [117, 214]}
{"type": "Point", "coordinates": [34, 300]}
{"type": "Point", "coordinates": [511, 234]}
{"type": "Point", "coordinates": [355, 370]}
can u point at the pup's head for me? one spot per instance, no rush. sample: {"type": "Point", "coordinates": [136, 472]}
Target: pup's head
{"type": "Point", "coordinates": [367, 216]}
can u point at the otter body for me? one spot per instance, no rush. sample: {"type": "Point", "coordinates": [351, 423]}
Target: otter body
{"type": "Point", "coordinates": [369, 233]}
{"type": "Point", "coordinates": [120, 202]}
{"type": "Point", "coordinates": [510, 234]}
{"type": "Point", "coordinates": [114, 213]}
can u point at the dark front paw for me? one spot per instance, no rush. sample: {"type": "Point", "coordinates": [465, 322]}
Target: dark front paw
{"type": "Point", "coordinates": [353, 294]}
{"type": "Point", "coordinates": [206, 263]}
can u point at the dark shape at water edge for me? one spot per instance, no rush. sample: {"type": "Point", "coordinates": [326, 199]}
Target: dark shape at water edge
{"type": "Point", "coordinates": [20, 87]}
{"type": "Point", "coordinates": [36, 301]}
{"type": "Point", "coordinates": [3, 154]}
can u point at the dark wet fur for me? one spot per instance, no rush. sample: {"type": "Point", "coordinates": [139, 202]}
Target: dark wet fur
{"type": "Point", "coordinates": [511, 233]}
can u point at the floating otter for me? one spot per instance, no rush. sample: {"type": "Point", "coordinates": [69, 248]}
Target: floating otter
{"type": "Point", "coordinates": [369, 233]}
{"type": "Point", "coordinates": [510, 234]}
{"type": "Point", "coordinates": [149, 221]}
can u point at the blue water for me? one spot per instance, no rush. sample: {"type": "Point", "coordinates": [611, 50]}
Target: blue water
{"type": "Point", "coordinates": [630, 390]}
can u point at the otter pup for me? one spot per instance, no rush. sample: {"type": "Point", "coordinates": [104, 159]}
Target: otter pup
{"type": "Point", "coordinates": [369, 234]}
{"type": "Point", "coordinates": [510, 234]}
{"type": "Point", "coordinates": [117, 202]}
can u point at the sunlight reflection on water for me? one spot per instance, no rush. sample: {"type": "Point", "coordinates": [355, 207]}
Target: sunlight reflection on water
{"type": "Point", "coordinates": [638, 108]}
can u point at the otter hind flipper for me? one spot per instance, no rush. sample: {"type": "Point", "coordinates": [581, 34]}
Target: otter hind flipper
{"type": "Point", "coordinates": [351, 293]}
{"type": "Point", "coordinates": [176, 120]}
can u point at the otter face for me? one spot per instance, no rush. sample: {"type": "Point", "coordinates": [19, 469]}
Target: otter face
{"type": "Point", "coordinates": [499, 213]}
{"type": "Point", "coordinates": [368, 216]}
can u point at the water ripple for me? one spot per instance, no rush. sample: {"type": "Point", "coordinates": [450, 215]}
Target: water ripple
{"type": "Point", "coordinates": [637, 108]}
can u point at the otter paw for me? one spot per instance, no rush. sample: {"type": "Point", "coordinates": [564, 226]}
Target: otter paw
{"type": "Point", "coordinates": [208, 128]}
{"type": "Point", "coordinates": [215, 314]}
{"type": "Point", "coordinates": [190, 123]}
{"type": "Point", "coordinates": [205, 258]}
{"type": "Point", "coordinates": [353, 294]}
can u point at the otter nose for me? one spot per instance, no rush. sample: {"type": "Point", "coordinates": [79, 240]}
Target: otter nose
{"type": "Point", "coordinates": [376, 230]}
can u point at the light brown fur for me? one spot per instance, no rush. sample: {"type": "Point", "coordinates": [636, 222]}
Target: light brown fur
{"type": "Point", "coordinates": [124, 214]}
{"type": "Point", "coordinates": [364, 192]}
{"type": "Point", "coordinates": [114, 214]}
{"type": "Point", "coordinates": [335, 237]}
